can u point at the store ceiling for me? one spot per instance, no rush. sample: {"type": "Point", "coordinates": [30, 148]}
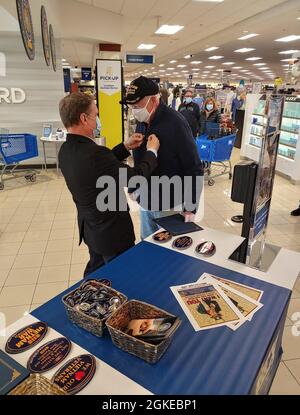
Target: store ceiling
{"type": "Point", "coordinates": [205, 24]}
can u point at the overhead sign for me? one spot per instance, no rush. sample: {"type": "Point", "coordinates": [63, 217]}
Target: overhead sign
{"type": "Point", "coordinates": [132, 58]}
{"type": "Point", "coordinates": [67, 79]}
{"type": "Point", "coordinates": [86, 74]}
{"type": "Point", "coordinates": [109, 95]}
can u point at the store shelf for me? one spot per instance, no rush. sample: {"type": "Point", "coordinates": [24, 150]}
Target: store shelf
{"type": "Point", "coordinates": [286, 157]}
{"type": "Point", "coordinates": [287, 145]}
{"type": "Point", "coordinates": [260, 125]}
{"type": "Point", "coordinates": [290, 118]}
{"type": "Point", "coordinates": [290, 132]}
{"type": "Point", "coordinates": [256, 135]}
{"type": "Point", "coordinates": [254, 145]}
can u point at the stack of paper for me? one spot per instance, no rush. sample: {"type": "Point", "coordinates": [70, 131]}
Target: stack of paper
{"type": "Point", "coordinates": [213, 302]}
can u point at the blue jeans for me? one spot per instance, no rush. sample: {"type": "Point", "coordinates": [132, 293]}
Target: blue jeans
{"type": "Point", "coordinates": [148, 226]}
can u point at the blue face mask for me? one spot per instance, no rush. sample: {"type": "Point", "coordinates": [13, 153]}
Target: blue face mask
{"type": "Point", "coordinates": [188, 100]}
{"type": "Point", "coordinates": [209, 107]}
{"type": "Point", "coordinates": [97, 130]}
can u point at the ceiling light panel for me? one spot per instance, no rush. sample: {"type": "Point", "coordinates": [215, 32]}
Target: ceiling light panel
{"type": "Point", "coordinates": [248, 36]}
{"type": "Point", "coordinates": [244, 50]}
{"type": "Point", "coordinates": [168, 29]}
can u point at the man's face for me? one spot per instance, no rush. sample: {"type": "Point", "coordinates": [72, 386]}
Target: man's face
{"type": "Point", "coordinates": [188, 95]}
{"type": "Point", "coordinates": [88, 120]}
{"type": "Point", "coordinates": [146, 102]}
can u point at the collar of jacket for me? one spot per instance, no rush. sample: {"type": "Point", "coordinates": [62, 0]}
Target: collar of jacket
{"type": "Point", "coordinates": [79, 138]}
{"type": "Point", "coordinates": [158, 113]}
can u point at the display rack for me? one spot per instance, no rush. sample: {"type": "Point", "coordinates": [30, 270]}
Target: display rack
{"type": "Point", "coordinates": [288, 161]}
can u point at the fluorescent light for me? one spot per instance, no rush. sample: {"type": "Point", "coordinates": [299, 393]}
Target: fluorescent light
{"type": "Point", "coordinates": [206, 72]}
{"type": "Point", "coordinates": [209, 1]}
{"type": "Point", "coordinates": [288, 60]}
{"type": "Point", "coordinates": [162, 70]}
{"type": "Point", "coordinates": [195, 62]}
{"type": "Point", "coordinates": [64, 60]}
{"type": "Point", "coordinates": [254, 58]}
{"type": "Point", "coordinates": [173, 61]}
{"type": "Point", "coordinates": [219, 70]}
{"type": "Point", "coordinates": [187, 56]}
{"type": "Point", "coordinates": [211, 48]}
{"type": "Point", "coordinates": [184, 71]}
{"type": "Point", "coordinates": [244, 50]}
{"type": "Point", "coordinates": [146, 46]}
{"type": "Point", "coordinates": [216, 57]}
{"type": "Point", "coordinates": [209, 66]}
{"type": "Point", "coordinates": [161, 65]}
{"type": "Point", "coordinates": [195, 69]}
{"type": "Point", "coordinates": [288, 52]}
{"type": "Point", "coordinates": [290, 38]}
{"type": "Point", "coordinates": [263, 69]}
{"type": "Point", "coordinates": [228, 63]}
{"type": "Point", "coordinates": [259, 64]}
{"type": "Point", "coordinates": [170, 69]}
{"type": "Point", "coordinates": [181, 66]}
{"type": "Point", "coordinates": [244, 70]}
{"type": "Point", "coordinates": [248, 36]}
{"type": "Point", "coordinates": [168, 29]}
{"type": "Point", "coordinates": [237, 67]}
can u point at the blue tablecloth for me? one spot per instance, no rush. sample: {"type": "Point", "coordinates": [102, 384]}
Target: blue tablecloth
{"type": "Point", "coordinates": [218, 361]}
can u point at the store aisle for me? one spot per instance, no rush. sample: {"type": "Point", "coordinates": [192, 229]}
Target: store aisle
{"type": "Point", "coordinates": [40, 257]}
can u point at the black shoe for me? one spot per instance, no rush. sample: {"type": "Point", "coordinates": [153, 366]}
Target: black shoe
{"type": "Point", "coordinates": [296, 212]}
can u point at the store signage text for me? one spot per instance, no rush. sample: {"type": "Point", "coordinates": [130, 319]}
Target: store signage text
{"type": "Point", "coordinates": [109, 78]}
{"type": "Point", "coordinates": [12, 95]}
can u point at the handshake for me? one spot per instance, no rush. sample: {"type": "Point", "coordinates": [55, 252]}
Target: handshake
{"type": "Point", "coordinates": [136, 140]}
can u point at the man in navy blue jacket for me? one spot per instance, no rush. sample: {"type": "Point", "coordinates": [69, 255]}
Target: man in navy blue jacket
{"type": "Point", "coordinates": [178, 155]}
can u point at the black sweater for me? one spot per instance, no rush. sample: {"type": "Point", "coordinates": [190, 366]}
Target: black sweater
{"type": "Point", "coordinates": [177, 155]}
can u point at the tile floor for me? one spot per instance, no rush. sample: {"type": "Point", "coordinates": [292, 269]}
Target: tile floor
{"type": "Point", "coordinates": [40, 256]}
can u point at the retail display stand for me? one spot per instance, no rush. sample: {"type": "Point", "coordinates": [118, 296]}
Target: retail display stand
{"type": "Point", "coordinates": [256, 181]}
{"type": "Point", "coordinates": [288, 161]}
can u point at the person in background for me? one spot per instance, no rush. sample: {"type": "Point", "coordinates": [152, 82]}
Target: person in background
{"type": "Point", "coordinates": [178, 154]}
{"type": "Point", "coordinates": [107, 233]}
{"type": "Point", "coordinates": [296, 212]}
{"type": "Point", "coordinates": [210, 113]}
{"type": "Point", "coordinates": [164, 95]}
{"type": "Point", "coordinates": [191, 112]}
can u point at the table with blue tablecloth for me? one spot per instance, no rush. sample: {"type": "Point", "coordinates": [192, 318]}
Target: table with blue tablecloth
{"type": "Point", "coordinates": [216, 361]}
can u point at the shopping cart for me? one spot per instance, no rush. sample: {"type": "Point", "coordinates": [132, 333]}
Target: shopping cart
{"type": "Point", "coordinates": [15, 148]}
{"type": "Point", "coordinates": [216, 153]}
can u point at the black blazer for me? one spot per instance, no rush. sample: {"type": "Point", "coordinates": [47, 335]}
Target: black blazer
{"type": "Point", "coordinates": [82, 162]}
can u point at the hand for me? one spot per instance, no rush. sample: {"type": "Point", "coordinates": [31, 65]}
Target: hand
{"type": "Point", "coordinates": [134, 141]}
{"type": "Point", "coordinates": [133, 196]}
{"type": "Point", "coordinates": [153, 142]}
{"type": "Point", "coordinates": [189, 216]}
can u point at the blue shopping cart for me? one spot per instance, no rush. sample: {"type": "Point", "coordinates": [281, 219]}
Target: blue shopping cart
{"type": "Point", "coordinates": [216, 152]}
{"type": "Point", "coordinates": [15, 148]}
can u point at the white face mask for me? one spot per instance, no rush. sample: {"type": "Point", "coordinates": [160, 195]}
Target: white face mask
{"type": "Point", "coordinates": [141, 114]}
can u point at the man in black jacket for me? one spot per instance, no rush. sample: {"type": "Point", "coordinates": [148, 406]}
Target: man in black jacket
{"type": "Point", "coordinates": [178, 155]}
{"type": "Point", "coordinates": [107, 233]}
{"type": "Point", "coordinates": [191, 112]}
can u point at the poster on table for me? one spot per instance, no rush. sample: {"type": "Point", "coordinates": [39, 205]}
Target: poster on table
{"type": "Point", "coordinates": [109, 95]}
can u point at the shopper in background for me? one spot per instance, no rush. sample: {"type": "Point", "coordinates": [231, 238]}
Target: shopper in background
{"type": "Point", "coordinates": [82, 162]}
{"type": "Point", "coordinates": [191, 112]}
{"type": "Point", "coordinates": [210, 114]}
{"type": "Point", "coordinates": [174, 99]}
{"type": "Point", "coordinates": [178, 155]}
{"type": "Point", "coordinates": [296, 212]}
{"type": "Point", "coordinates": [164, 95]}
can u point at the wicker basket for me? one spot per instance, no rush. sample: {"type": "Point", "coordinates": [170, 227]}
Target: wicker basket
{"type": "Point", "coordinates": [94, 325]}
{"type": "Point", "coordinates": [131, 310]}
{"type": "Point", "coordinates": [37, 385]}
